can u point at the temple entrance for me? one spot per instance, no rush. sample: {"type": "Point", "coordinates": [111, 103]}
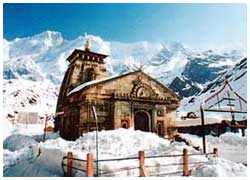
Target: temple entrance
{"type": "Point", "coordinates": [142, 121]}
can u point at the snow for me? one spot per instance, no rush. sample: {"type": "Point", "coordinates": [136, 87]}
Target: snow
{"type": "Point", "coordinates": [220, 168]}
{"type": "Point", "coordinates": [11, 158]}
{"type": "Point", "coordinates": [29, 96]}
{"type": "Point", "coordinates": [227, 62]}
{"type": "Point", "coordinates": [117, 143]}
{"type": "Point", "coordinates": [195, 122]}
{"type": "Point", "coordinates": [17, 142]}
{"type": "Point", "coordinates": [230, 146]}
{"type": "Point", "coordinates": [42, 53]}
{"type": "Point", "coordinates": [35, 64]}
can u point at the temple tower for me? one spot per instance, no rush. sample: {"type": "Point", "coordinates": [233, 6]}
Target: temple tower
{"type": "Point", "coordinates": [84, 66]}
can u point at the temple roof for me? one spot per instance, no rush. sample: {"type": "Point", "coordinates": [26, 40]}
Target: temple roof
{"type": "Point", "coordinates": [94, 82]}
{"type": "Point", "coordinates": [89, 83]}
{"type": "Point", "coordinates": [84, 52]}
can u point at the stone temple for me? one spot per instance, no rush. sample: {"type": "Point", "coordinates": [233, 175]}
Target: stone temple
{"type": "Point", "coordinates": [129, 100]}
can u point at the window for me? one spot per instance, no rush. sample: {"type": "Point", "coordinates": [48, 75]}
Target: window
{"type": "Point", "coordinates": [125, 124]}
{"type": "Point", "coordinates": [160, 128]}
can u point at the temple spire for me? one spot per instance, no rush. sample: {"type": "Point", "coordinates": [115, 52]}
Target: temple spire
{"type": "Point", "coordinates": [87, 44]}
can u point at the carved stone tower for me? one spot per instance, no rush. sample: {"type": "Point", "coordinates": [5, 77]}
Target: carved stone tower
{"type": "Point", "coordinates": [84, 66]}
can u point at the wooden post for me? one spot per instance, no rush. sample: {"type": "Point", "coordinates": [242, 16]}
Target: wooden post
{"type": "Point", "coordinates": [90, 165]}
{"type": "Point", "coordinates": [185, 162]}
{"type": "Point", "coordinates": [69, 164]}
{"type": "Point", "coordinates": [45, 126]}
{"type": "Point", "coordinates": [141, 164]}
{"type": "Point", "coordinates": [243, 132]}
{"type": "Point", "coordinates": [215, 152]}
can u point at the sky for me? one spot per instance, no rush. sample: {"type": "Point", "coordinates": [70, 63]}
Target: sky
{"type": "Point", "coordinates": [197, 25]}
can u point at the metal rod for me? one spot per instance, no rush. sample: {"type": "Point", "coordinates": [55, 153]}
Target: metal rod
{"type": "Point", "coordinates": [217, 110]}
{"type": "Point", "coordinates": [95, 117]}
{"type": "Point", "coordinates": [203, 130]}
{"type": "Point", "coordinates": [76, 159]}
{"type": "Point", "coordinates": [229, 102]}
{"type": "Point", "coordinates": [45, 126]}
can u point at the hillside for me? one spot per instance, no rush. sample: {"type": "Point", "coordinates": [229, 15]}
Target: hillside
{"type": "Point", "coordinates": [185, 70]}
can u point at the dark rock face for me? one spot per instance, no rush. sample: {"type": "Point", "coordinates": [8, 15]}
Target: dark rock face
{"type": "Point", "coordinates": [184, 88]}
{"type": "Point", "coordinates": [8, 74]}
{"type": "Point", "coordinates": [227, 75]}
{"type": "Point", "coordinates": [198, 71]}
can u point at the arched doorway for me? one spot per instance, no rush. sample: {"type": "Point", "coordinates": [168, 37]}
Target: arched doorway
{"type": "Point", "coordinates": [142, 121]}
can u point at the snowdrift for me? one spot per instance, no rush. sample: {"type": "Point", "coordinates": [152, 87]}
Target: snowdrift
{"type": "Point", "coordinates": [231, 146]}
{"type": "Point", "coordinates": [220, 168]}
{"type": "Point", "coordinates": [112, 144]}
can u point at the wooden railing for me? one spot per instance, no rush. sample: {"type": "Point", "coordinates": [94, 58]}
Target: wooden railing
{"type": "Point", "coordinates": [89, 164]}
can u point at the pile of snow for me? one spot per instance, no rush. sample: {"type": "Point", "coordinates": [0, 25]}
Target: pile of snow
{"type": "Point", "coordinates": [234, 139]}
{"type": "Point", "coordinates": [16, 142]}
{"type": "Point", "coordinates": [12, 158]}
{"type": "Point", "coordinates": [19, 143]}
{"type": "Point", "coordinates": [219, 167]}
{"type": "Point", "coordinates": [118, 143]}
{"type": "Point", "coordinates": [228, 145]}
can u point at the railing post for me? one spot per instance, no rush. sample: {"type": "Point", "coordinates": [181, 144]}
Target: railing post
{"type": "Point", "coordinates": [141, 164]}
{"type": "Point", "coordinates": [89, 165]}
{"type": "Point", "coordinates": [215, 152]}
{"type": "Point", "coordinates": [185, 162]}
{"type": "Point", "coordinates": [69, 164]}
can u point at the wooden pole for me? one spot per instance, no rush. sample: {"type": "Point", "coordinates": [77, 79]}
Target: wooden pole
{"type": "Point", "coordinates": [141, 164]}
{"type": "Point", "coordinates": [216, 152]}
{"type": "Point", "coordinates": [90, 165]}
{"type": "Point", "coordinates": [185, 162]}
{"type": "Point", "coordinates": [69, 164]}
{"type": "Point", "coordinates": [45, 126]}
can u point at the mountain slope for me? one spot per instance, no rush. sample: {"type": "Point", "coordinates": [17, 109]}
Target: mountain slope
{"type": "Point", "coordinates": [237, 77]}
{"type": "Point", "coordinates": [185, 70]}
{"type": "Point", "coordinates": [32, 96]}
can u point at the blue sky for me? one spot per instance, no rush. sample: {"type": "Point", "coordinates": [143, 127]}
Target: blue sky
{"type": "Point", "coordinates": [198, 25]}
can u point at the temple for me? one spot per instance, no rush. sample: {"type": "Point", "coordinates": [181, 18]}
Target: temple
{"type": "Point", "coordinates": [129, 100]}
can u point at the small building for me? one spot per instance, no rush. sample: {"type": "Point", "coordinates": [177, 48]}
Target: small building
{"type": "Point", "coordinates": [27, 117]}
{"type": "Point", "coordinates": [132, 99]}
{"type": "Point", "coordinates": [213, 127]}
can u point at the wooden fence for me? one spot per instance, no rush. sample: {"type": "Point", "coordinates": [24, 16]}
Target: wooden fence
{"type": "Point", "coordinates": [88, 164]}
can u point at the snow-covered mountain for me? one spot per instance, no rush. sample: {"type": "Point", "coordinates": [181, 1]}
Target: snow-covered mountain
{"type": "Point", "coordinates": [237, 77]}
{"type": "Point", "coordinates": [185, 70]}
{"type": "Point", "coordinates": [38, 64]}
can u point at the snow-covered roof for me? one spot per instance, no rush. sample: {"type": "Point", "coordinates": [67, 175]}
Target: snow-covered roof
{"type": "Point", "coordinates": [196, 122]}
{"type": "Point", "coordinates": [89, 83]}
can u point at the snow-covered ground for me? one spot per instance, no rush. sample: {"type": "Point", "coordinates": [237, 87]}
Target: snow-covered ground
{"type": "Point", "coordinates": [230, 146]}
{"type": "Point", "coordinates": [21, 157]}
